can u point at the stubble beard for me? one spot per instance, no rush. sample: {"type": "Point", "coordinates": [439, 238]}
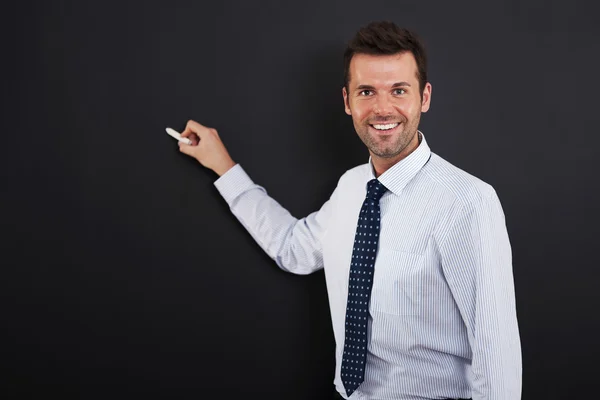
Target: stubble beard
{"type": "Point", "coordinates": [389, 147]}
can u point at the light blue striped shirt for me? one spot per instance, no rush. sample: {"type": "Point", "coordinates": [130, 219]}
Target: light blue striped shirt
{"type": "Point", "coordinates": [442, 320]}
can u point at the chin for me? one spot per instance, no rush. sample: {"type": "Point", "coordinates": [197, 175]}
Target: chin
{"type": "Point", "coordinates": [386, 154]}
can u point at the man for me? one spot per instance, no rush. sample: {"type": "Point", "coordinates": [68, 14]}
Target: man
{"type": "Point", "coordinates": [416, 253]}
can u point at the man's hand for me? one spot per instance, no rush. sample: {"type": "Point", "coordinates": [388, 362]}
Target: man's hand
{"type": "Point", "coordinates": [206, 147]}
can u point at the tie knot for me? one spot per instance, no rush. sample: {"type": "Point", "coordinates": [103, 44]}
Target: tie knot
{"type": "Point", "coordinates": [375, 189]}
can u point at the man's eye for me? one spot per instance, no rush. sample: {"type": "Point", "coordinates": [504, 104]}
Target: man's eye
{"type": "Point", "coordinates": [366, 92]}
{"type": "Point", "coordinates": [399, 91]}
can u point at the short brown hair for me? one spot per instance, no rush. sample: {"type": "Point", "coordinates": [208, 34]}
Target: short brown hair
{"type": "Point", "coordinates": [386, 38]}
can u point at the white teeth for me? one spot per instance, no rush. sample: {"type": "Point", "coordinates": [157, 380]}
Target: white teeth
{"type": "Point", "coordinates": [385, 127]}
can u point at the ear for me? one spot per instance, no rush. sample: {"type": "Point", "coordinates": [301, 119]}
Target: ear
{"type": "Point", "coordinates": [426, 98]}
{"type": "Point", "coordinates": [346, 103]}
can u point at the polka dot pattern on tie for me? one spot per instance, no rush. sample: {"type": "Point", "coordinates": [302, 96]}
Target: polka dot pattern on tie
{"type": "Point", "coordinates": [359, 288]}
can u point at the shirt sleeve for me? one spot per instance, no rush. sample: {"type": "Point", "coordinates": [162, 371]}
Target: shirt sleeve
{"type": "Point", "coordinates": [294, 244]}
{"type": "Point", "coordinates": [477, 262]}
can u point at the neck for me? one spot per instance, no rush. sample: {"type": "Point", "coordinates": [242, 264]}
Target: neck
{"type": "Point", "coordinates": [381, 164]}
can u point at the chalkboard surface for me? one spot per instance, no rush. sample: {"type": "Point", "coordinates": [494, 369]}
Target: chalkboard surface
{"type": "Point", "coordinates": [124, 274]}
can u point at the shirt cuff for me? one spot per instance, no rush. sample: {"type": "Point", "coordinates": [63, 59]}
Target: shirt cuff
{"type": "Point", "coordinates": [233, 183]}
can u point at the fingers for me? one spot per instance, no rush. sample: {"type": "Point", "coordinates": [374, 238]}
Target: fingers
{"type": "Point", "coordinates": [193, 137]}
{"type": "Point", "coordinates": [193, 127]}
{"type": "Point", "coordinates": [186, 148]}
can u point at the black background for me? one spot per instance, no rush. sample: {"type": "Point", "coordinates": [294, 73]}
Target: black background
{"type": "Point", "coordinates": [124, 274]}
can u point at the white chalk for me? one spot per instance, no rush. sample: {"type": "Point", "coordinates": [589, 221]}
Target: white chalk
{"type": "Point", "coordinates": [177, 135]}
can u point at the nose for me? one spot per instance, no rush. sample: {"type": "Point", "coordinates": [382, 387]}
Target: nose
{"type": "Point", "coordinates": [383, 105]}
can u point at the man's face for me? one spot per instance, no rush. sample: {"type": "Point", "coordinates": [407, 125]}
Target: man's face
{"type": "Point", "coordinates": [384, 101]}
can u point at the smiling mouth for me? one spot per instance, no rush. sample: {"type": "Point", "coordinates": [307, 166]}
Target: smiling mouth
{"type": "Point", "coordinates": [384, 127]}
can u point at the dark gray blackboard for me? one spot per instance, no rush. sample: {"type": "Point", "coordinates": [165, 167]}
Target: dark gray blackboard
{"type": "Point", "coordinates": [125, 275]}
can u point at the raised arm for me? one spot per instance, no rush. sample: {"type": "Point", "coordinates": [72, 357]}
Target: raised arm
{"type": "Point", "coordinates": [294, 244]}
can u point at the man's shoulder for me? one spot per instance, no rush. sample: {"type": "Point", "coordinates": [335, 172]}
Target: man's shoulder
{"type": "Point", "coordinates": [458, 183]}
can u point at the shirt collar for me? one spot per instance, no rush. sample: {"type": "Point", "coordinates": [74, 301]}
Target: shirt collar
{"type": "Point", "coordinates": [396, 178]}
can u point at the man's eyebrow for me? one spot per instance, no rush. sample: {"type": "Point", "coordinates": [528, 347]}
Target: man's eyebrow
{"type": "Point", "coordinates": [369, 87]}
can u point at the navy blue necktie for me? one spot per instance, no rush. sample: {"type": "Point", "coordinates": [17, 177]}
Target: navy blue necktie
{"type": "Point", "coordinates": [359, 288]}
